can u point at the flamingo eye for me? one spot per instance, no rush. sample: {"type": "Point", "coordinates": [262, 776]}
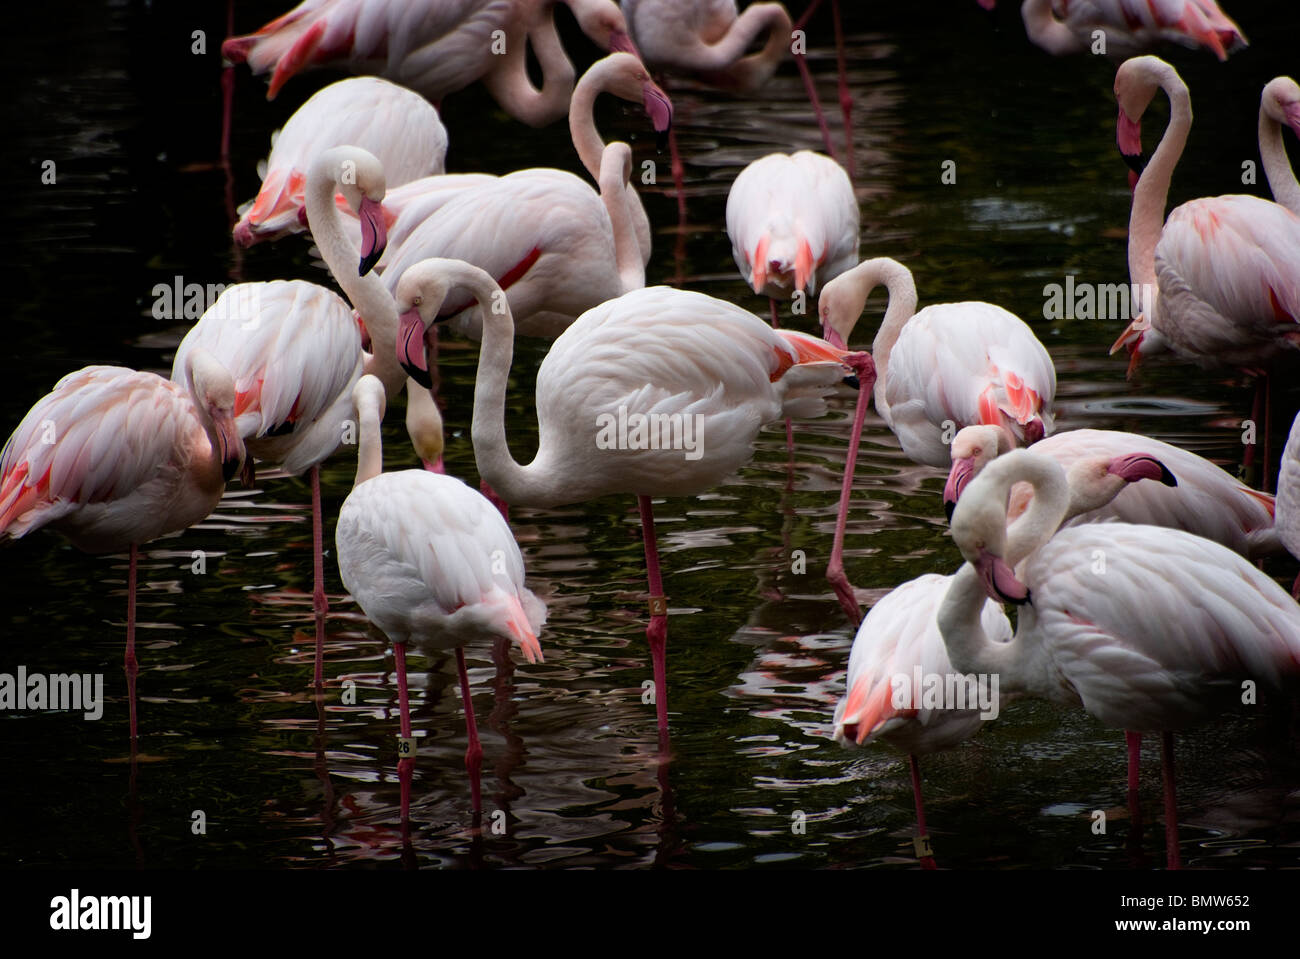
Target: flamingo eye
{"type": "Point", "coordinates": [417, 301]}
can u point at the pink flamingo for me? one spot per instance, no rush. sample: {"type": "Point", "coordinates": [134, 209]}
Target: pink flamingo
{"type": "Point", "coordinates": [435, 47]}
{"type": "Point", "coordinates": [793, 224]}
{"type": "Point", "coordinates": [1063, 27]}
{"type": "Point", "coordinates": [1102, 638]}
{"type": "Point", "coordinates": [1279, 105]}
{"type": "Point", "coordinates": [655, 356]}
{"type": "Point", "coordinates": [113, 458]}
{"type": "Point", "coordinates": [1219, 283]}
{"type": "Point", "coordinates": [294, 348]}
{"type": "Point", "coordinates": [1288, 498]}
{"type": "Point", "coordinates": [948, 366]}
{"type": "Point", "coordinates": [1207, 501]}
{"type": "Point", "coordinates": [901, 633]}
{"type": "Point", "coordinates": [431, 563]}
{"type": "Point", "coordinates": [398, 126]}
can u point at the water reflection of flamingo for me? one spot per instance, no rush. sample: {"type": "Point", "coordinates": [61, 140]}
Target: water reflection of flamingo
{"type": "Point", "coordinates": [672, 353]}
{"type": "Point", "coordinates": [1133, 657]}
{"type": "Point", "coordinates": [431, 562]}
{"type": "Point", "coordinates": [113, 458]}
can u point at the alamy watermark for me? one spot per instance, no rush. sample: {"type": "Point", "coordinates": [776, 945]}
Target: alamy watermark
{"type": "Point", "coordinates": [83, 692]}
{"type": "Point", "coordinates": [1095, 301]}
{"type": "Point", "coordinates": [651, 431]}
{"type": "Point", "coordinates": [923, 690]}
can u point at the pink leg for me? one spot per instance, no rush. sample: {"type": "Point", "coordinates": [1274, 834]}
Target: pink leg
{"type": "Point", "coordinates": [657, 631]}
{"type": "Point", "coordinates": [811, 88]}
{"type": "Point", "coordinates": [846, 98]}
{"type": "Point", "coordinates": [502, 506]}
{"type": "Point", "coordinates": [1173, 859]}
{"type": "Point", "coordinates": [679, 175]}
{"type": "Point", "coordinates": [130, 666]}
{"type": "Point", "coordinates": [835, 569]}
{"type": "Point", "coordinates": [473, 752]}
{"type": "Point", "coordinates": [927, 861]}
{"type": "Point", "coordinates": [1134, 741]}
{"type": "Point", "coordinates": [405, 765]}
{"type": "Point", "coordinates": [319, 606]}
{"type": "Point", "coordinates": [789, 428]}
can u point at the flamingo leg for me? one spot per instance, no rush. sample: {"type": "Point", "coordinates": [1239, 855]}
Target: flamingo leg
{"type": "Point", "coordinates": [923, 835]}
{"type": "Point", "coordinates": [810, 87]}
{"type": "Point", "coordinates": [846, 98]}
{"type": "Point", "coordinates": [406, 764]}
{"type": "Point", "coordinates": [1172, 857]}
{"type": "Point", "coordinates": [789, 428]}
{"type": "Point", "coordinates": [835, 569]}
{"type": "Point", "coordinates": [657, 631]}
{"type": "Point", "coordinates": [474, 751]}
{"type": "Point", "coordinates": [130, 666]}
{"type": "Point", "coordinates": [319, 606]}
{"type": "Point", "coordinates": [679, 175]}
{"type": "Point", "coordinates": [492, 497]}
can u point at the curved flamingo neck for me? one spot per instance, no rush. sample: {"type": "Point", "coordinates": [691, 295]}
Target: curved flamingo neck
{"type": "Point", "coordinates": [615, 168]}
{"type": "Point", "coordinates": [897, 280]}
{"type": "Point", "coordinates": [370, 445]}
{"type": "Point", "coordinates": [509, 82]}
{"type": "Point", "coordinates": [367, 293]}
{"type": "Point", "coordinates": [582, 114]}
{"type": "Point", "coordinates": [1147, 218]}
{"type": "Point", "coordinates": [1046, 31]}
{"type": "Point", "coordinates": [727, 54]}
{"type": "Point", "coordinates": [1277, 165]}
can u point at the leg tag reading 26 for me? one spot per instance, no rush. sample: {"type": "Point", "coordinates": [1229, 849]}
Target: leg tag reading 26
{"type": "Point", "coordinates": [658, 605]}
{"type": "Point", "coordinates": [405, 747]}
{"type": "Point", "coordinates": [922, 846]}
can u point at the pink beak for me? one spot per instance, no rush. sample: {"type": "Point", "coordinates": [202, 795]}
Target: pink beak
{"type": "Point", "coordinates": [1140, 466]}
{"type": "Point", "coordinates": [963, 470]}
{"type": "Point", "coordinates": [410, 348]}
{"type": "Point", "coordinates": [374, 234]}
{"type": "Point", "coordinates": [999, 581]}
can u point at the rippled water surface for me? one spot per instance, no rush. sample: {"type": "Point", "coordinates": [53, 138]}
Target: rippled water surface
{"type": "Point", "coordinates": [757, 652]}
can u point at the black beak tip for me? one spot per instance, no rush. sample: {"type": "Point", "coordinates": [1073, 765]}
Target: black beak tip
{"type": "Point", "coordinates": [420, 376]}
{"type": "Point", "coordinates": [1166, 477]}
{"type": "Point", "coordinates": [852, 382]}
{"type": "Point", "coordinates": [368, 262]}
{"type": "Point", "coordinates": [228, 469]}
{"type": "Point", "coordinates": [949, 507]}
{"type": "Point", "coordinates": [1136, 161]}
{"type": "Point", "coordinates": [661, 141]}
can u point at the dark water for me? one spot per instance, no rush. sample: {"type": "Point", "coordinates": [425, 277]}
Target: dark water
{"type": "Point", "coordinates": [113, 94]}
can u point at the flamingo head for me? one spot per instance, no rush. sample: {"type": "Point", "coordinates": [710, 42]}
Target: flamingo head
{"type": "Point", "coordinates": [1096, 480]}
{"type": "Point", "coordinates": [1136, 83]}
{"type": "Point", "coordinates": [1280, 101]}
{"type": "Point", "coordinates": [213, 388]}
{"type": "Point", "coordinates": [973, 448]}
{"type": "Point", "coordinates": [1132, 338]}
{"type": "Point", "coordinates": [359, 177]}
{"type": "Point", "coordinates": [420, 294]}
{"type": "Point", "coordinates": [624, 75]}
{"type": "Point", "coordinates": [604, 24]}
{"type": "Point", "coordinates": [839, 306]}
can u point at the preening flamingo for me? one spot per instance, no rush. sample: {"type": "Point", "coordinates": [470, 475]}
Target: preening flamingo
{"type": "Point", "coordinates": [1099, 635]}
{"type": "Point", "coordinates": [708, 372]}
{"type": "Point", "coordinates": [1207, 500]}
{"type": "Point", "coordinates": [1219, 283]}
{"type": "Point", "coordinates": [1062, 27]}
{"type": "Point", "coordinates": [793, 223]}
{"type": "Point", "coordinates": [901, 633]}
{"type": "Point", "coordinates": [431, 563]}
{"type": "Point", "coordinates": [1279, 105]}
{"type": "Point", "coordinates": [424, 426]}
{"type": "Point", "coordinates": [113, 458]}
{"type": "Point", "coordinates": [435, 47]}
{"type": "Point", "coordinates": [294, 348]}
{"type": "Point", "coordinates": [398, 126]}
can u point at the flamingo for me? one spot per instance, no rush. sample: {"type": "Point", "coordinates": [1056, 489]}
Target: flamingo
{"type": "Point", "coordinates": [1288, 498]}
{"type": "Point", "coordinates": [793, 224]}
{"type": "Point", "coordinates": [1219, 284]}
{"type": "Point", "coordinates": [113, 458]}
{"type": "Point", "coordinates": [431, 563]}
{"type": "Point", "coordinates": [1279, 104]}
{"type": "Point", "coordinates": [424, 426]}
{"type": "Point", "coordinates": [710, 40]}
{"type": "Point", "coordinates": [294, 348]}
{"type": "Point", "coordinates": [398, 126]}
{"type": "Point", "coordinates": [901, 633]}
{"type": "Point", "coordinates": [678, 357]}
{"type": "Point", "coordinates": [1063, 27]}
{"type": "Point", "coordinates": [435, 47]}
{"type": "Point", "coordinates": [1207, 501]}
{"type": "Point", "coordinates": [951, 365]}
{"type": "Point", "coordinates": [1133, 657]}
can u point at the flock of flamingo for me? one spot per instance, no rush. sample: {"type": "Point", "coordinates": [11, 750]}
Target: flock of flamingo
{"type": "Point", "coordinates": [275, 374]}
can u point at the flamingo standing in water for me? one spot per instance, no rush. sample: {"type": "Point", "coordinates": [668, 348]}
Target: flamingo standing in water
{"type": "Point", "coordinates": [1063, 27]}
{"type": "Point", "coordinates": [708, 371]}
{"type": "Point", "coordinates": [901, 633]}
{"type": "Point", "coordinates": [1207, 501]}
{"type": "Point", "coordinates": [430, 562]}
{"type": "Point", "coordinates": [294, 348]}
{"type": "Point", "coordinates": [1134, 657]}
{"type": "Point", "coordinates": [398, 126]}
{"type": "Point", "coordinates": [1219, 283]}
{"type": "Point", "coordinates": [1279, 105]}
{"type": "Point", "coordinates": [113, 458]}
{"type": "Point", "coordinates": [948, 366]}
{"type": "Point", "coordinates": [435, 47]}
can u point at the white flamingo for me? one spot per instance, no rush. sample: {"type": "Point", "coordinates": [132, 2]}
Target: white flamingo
{"type": "Point", "coordinates": [1288, 498]}
{"type": "Point", "coordinates": [113, 458]}
{"type": "Point", "coordinates": [657, 356]}
{"type": "Point", "coordinates": [1279, 105]}
{"type": "Point", "coordinates": [431, 563]}
{"type": "Point", "coordinates": [1134, 656]}
{"type": "Point", "coordinates": [398, 126]}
